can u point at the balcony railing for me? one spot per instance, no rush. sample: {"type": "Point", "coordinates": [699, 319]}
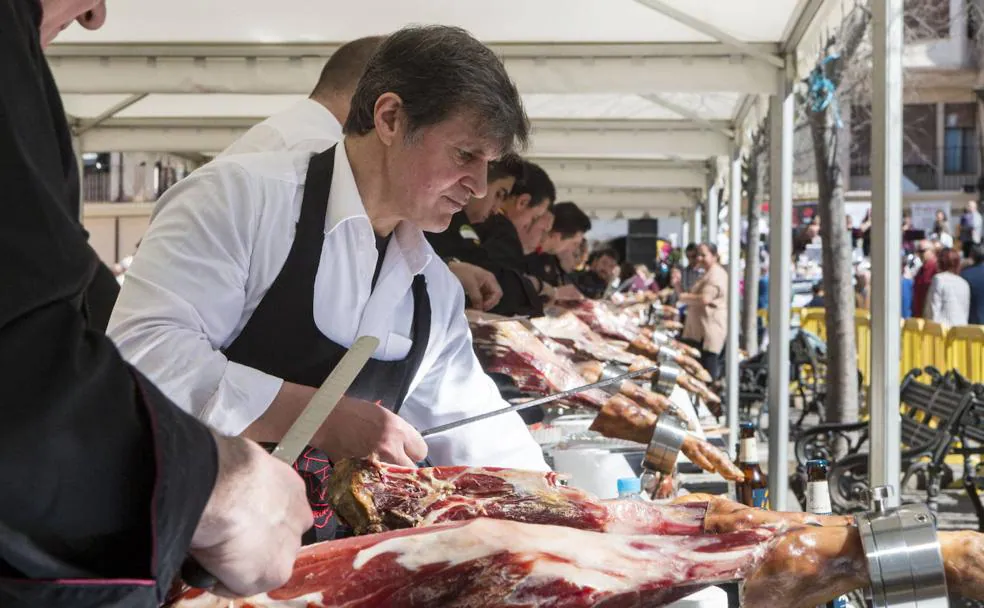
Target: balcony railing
{"type": "Point", "coordinates": [959, 171]}
{"type": "Point", "coordinates": [96, 187]}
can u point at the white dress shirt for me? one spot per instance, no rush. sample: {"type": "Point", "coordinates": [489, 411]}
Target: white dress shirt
{"type": "Point", "coordinates": [305, 126]}
{"type": "Point", "coordinates": [216, 243]}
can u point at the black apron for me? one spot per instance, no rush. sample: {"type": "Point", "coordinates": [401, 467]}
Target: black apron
{"type": "Point", "coordinates": [282, 339]}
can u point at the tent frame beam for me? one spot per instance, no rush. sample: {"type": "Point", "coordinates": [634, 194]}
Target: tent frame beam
{"type": "Point", "coordinates": [717, 34]}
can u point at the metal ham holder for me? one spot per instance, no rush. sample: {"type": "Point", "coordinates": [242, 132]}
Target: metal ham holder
{"type": "Point", "coordinates": [668, 435]}
{"type": "Point", "coordinates": [662, 452]}
{"type": "Point", "coordinates": [664, 377]}
{"type": "Point", "coordinates": [905, 563]}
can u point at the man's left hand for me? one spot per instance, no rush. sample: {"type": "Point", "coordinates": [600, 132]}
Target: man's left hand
{"type": "Point", "coordinates": [480, 285]}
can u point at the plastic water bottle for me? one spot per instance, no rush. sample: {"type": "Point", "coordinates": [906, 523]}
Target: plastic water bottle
{"type": "Point", "coordinates": [630, 487]}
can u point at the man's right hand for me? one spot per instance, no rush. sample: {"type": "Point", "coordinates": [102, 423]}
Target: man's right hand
{"type": "Point", "coordinates": [568, 293]}
{"type": "Point", "coordinates": [356, 429]}
{"type": "Point", "coordinates": [250, 531]}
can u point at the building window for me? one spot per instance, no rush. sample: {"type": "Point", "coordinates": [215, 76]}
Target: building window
{"type": "Point", "coordinates": [960, 151]}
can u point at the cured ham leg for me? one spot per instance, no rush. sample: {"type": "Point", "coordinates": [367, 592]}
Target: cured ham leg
{"type": "Point", "coordinates": [654, 402]}
{"type": "Point", "coordinates": [592, 370]}
{"type": "Point", "coordinates": [812, 566]}
{"type": "Point", "coordinates": [620, 420]}
{"type": "Point", "coordinates": [373, 497]}
{"type": "Point", "coordinates": [491, 563]}
{"type": "Point", "coordinates": [644, 346]}
{"type": "Point", "coordinates": [511, 349]}
{"type": "Point", "coordinates": [726, 515]}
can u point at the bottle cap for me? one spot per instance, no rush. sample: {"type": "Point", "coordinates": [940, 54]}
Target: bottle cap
{"type": "Point", "coordinates": [629, 485]}
{"type": "Point", "coordinates": [746, 425]}
{"type": "Point", "coordinates": [817, 462]}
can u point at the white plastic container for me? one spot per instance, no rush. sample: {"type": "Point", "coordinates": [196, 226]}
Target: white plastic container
{"type": "Point", "coordinates": [594, 470]}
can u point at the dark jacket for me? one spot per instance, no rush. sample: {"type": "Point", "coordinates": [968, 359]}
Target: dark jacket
{"type": "Point", "coordinates": [590, 284]}
{"type": "Point", "coordinates": [975, 277]}
{"type": "Point", "coordinates": [101, 477]}
{"type": "Point", "coordinates": [546, 267]}
{"type": "Point", "coordinates": [504, 256]}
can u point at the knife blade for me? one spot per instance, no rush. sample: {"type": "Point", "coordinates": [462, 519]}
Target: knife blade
{"type": "Point", "coordinates": [303, 429]}
{"type": "Point", "coordinates": [535, 402]}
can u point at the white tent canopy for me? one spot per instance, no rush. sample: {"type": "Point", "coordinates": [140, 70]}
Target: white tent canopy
{"type": "Point", "coordinates": [632, 101]}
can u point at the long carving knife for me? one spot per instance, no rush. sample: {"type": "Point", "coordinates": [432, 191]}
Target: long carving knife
{"type": "Point", "coordinates": [303, 429]}
{"type": "Point", "coordinates": [541, 401]}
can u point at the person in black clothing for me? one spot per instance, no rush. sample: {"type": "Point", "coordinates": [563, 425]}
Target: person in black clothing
{"type": "Point", "coordinates": [974, 275]}
{"type": "Point", "coordinates": [531, 197]}
{"type": "Point", "coordinates": [569, 226]}
{"type": "Point", "coordinates": [103, 480]}
{"type": "Point", "coordinates": [461, 241]}
{"type": "Point", "coordinates": [817, 300]}
{"type": "Point", "coordinates": [460, 246]}
{"type": "Point", "coordinates": [602, 270]}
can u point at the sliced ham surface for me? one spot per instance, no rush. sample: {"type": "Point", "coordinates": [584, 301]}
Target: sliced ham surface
{"type": "Point", "coordinates": [495, 563]}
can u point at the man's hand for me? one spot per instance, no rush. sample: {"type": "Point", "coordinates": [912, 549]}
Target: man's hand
{"type": "Point", "coordinates": [250, 531]}
{"type": "Point", "coordinates": [568, 293]}
{"type": "Point", "coordinates": [356, 429]}
{"type": "Point", "coordinates": [479, 284]}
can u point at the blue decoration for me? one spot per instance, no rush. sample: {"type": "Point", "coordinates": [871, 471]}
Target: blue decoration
{"type": "Point", "coordinates": [822, 90]}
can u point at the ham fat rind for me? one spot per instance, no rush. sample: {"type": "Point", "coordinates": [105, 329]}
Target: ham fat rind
{"type": "Point", "coordinates": [373, 497]}
{"type": "Point", "coordinates": [493, 563]}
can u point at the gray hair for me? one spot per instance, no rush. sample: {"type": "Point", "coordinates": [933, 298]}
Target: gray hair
{"type": "Point", "coordinates": [439, 72]}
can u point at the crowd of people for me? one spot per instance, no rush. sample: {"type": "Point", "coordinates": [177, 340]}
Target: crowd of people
{"type": "Point", "coordinates": [943, 275]}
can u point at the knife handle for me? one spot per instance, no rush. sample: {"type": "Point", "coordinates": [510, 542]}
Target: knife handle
{"type": "Point", "coordinates": [195, 575]}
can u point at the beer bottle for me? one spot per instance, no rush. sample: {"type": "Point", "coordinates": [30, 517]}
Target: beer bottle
{"type": "Point", "coordinates": [817, 490]}
{"type": "Point", "coordinates": [818, 503]}
{"type": "Point", "coordinates": [754, 491]}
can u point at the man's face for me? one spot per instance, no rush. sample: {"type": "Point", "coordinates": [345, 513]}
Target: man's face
{"type": "Point", "coordinates": [557, 244]}
{"type": "Point", "coordinates": [571, 243]}
{"type": "Point", "coordinates": [691, 257]}
{"type": "Point", "coordinates": [479, 209]}
{"type": "Point", "coordinates": [532, 237]}
{"type": "Point", "coordinates": [926, 251]}
{"type": "Point", "coordinates": [56, 15]}
{"type": "Point", "coordinates": [605, 267]}
{"type": "Point", "coordinates": [522, 210]}
{"type": "Point", "coordinates": [438, 171]}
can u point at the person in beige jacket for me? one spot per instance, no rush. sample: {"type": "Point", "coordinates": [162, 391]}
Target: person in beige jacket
{"type": "Point", "coordinates": [706, 325]}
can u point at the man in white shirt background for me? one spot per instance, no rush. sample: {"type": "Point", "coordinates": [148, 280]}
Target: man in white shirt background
{"type": "Point", "coordinates": [259, 270]}
{"type": "Point", "coordinates": [314, 123]}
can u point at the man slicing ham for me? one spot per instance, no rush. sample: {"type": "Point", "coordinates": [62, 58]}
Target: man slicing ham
{"type": "Point", "coordinates": [260, 270]}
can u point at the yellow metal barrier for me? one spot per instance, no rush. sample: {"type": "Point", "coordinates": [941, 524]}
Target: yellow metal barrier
{"type": "Point", "coordinates": [911, 343]}
{"type": "Point", "coordinates": [965, 351]}
{"type": "Point", "coordinates": [924, 343]}
{"type": "Point", "coordinates": [813, 321]}
{"type": "Point", "coordinates": [862, 339]}
{"type": "Point", "coordinates": [934, 345]}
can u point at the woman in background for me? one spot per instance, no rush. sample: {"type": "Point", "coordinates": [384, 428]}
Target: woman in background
{"type": "Point", "coordinates": [706, 325]}
{"type": "Point", "coordinates": [948, 299]}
